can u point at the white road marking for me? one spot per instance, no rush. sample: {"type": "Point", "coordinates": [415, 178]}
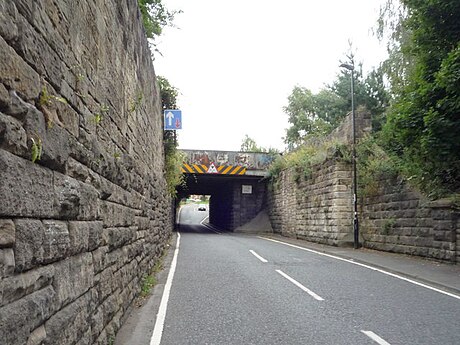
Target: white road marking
{"type": "Point", "coordinates": [207, 217]}
{"type": "Point", "coordinates": [178, 215]}
{"type": "Point", "coordinates": [367, 266]}
{"type": "Point", "coordinates": [159, 323]}
{"type": "Point", "coordinates": [376, 338]}
{"type": "Point", "coordinates": [258, 256]}
{"type": "Point", "coordinates": [295, 282]}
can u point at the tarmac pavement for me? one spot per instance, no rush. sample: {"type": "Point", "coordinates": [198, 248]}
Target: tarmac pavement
{"type": "Point", "coordinates": [443, 275]}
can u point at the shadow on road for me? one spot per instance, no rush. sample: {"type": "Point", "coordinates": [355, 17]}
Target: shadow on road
{"type": "Point", "coordinates": [197, 229]}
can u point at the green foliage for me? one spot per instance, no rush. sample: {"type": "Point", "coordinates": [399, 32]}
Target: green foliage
{"type": "Point", "coordinates": [135, 102]}
{"type": "Point", "coordinates": [374, 166]}
{"type": "Point", "coordinates": [317, 114]}
{"type": "Point", "coordinates": [148, 282]}
{"type": "Point", "coordinates": [306, 156]}
{"type": "Point", "coordinates": [155, 16]}
{"type": "Point", "coordinates": [422, 127]}
{"type": "Point", "coordinates": [168, 93]}
{"type": "Point", "coordinates": [100, 114]}
{"type": "Point", "coordinates": [173, 163]}
{"type": "Point", "coordinates": [388, 226]}
{"type": "Point", "coordinates": [46, 99]}
{"type": "Point", "coordinates": [249, 145]}
{"type": "Point", "coordinates": [173, 157]}
{"type": "Point", "coordinates": [36, 148]}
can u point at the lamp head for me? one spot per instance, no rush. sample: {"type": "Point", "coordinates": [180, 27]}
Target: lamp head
{"type": "Point", "coordinates": [347, 66]}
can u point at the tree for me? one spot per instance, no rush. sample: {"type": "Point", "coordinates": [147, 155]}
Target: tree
{"type": "Point", "coordinates": [317, 114]}
{"type": "Point", "coordinates": [249, 145]}
{"type": "Point", "coordinates": [423, 121]}
{"type": "Point", "coordinates": [155, 16]}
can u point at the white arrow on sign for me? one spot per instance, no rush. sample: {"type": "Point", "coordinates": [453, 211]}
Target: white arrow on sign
{"type": "Point", "coordinates": [170, 117]}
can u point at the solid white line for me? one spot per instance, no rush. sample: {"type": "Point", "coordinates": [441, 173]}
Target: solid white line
{"type": "Point", "coordinates": [376, 338]}
{"type": "Point", "coordinates": [258, 256]}
{"type": "Point", "coordinates": [178, 215]}
{"type": "Point", "coordinates": [204, 220]}
{"type": "Point", "coordinates": [159, 323]}
{"type": "Point", "coordinates": [368, 267]}
{"type": "Point", "coordinates": [209, 226]}
{"type": "Point", "coordinates": [295, 282]}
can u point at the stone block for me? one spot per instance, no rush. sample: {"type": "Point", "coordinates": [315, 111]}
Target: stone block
{"type": "Point", "coordinates": [28, 247]}
{"type": "Point", "coordinates": [26, 189]}
{"type": "Point", "coordinates": [69, 324]}
{"type": "Point", "coordinates": [16, 74]}
{"type": "Point", "coordinates": [85, 236]}
{"type": "Point", "coordinates": [56, 147]}
{"type": "Point", "coordinates": [100, 259]}
{"type": "Point", "coordinates": [73, 277]}
{"type": "Point", "coordinates": [74, 199]}
{"type": "Point", "coordinates": [6, 262]}
{"type": "Point", "coordinates": [37, 337]}
{"type": "Point", "coordinates": [13, 137]}
{"type": "Point", "coordinates": [7, 233]}
{"type": "Point", "coordinates": [40, 242]}
{"type": "Point", "coordinates": [19, 319]}
{"type": "Point", "coordinates": [115, 215]}
{"type": "Point", "coordinates": [21, 285]}
{"type": "Point", "coordinates": [56, 240]}
{"type": "Point", "coordinates": [4, 95]}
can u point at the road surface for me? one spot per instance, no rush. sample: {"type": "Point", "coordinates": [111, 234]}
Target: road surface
{"type": "Point", "coordinates": [239, 289]}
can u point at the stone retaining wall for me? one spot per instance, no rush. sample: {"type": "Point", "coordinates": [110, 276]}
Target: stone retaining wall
{"type": "Point", "coordinates": [81, 226]}
{"type": "Point", "coordinates": [396, 218]}
{"type": "Point", "coordinates": [316, 208]}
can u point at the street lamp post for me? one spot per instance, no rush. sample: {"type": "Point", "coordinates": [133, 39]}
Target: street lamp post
{"type": "Point", "coordinates": [356, 245]}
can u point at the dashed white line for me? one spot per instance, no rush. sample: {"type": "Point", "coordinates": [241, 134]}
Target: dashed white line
{"type": "Point", "coordinates": [295, 282]}
{"type": "Point", "coordinates": [375, 338]}
{"type": "Point", "coordinates": [366, 266]}
{"type": "Point", "coordinates": [159, 323]}
{"type": "Point", "coordinates": [258, 256]}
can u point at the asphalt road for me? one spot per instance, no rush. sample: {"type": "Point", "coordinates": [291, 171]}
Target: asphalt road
{"type": "Point", "coordinates": [240, 289]}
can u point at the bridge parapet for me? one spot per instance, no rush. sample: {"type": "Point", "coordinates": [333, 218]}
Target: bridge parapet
{"type": "Point", "coordinates": [226, 162]}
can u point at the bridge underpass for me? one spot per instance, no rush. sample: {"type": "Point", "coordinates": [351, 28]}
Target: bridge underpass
{"type": "Point", "coordinates": [236, 182]}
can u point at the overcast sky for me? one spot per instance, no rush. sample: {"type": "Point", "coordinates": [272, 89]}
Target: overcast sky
{"type": "Point", "coordinates": [236, 62]}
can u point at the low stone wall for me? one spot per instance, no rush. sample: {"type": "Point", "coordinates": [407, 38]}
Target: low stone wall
{"type": "Point", "coordinates": [81, 226]}
{"type": "Point", "coordinates": [398, 219]}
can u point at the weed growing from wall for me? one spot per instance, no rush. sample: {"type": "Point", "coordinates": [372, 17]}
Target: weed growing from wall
{"type": "Point", "coordinates": [305, 157]}
{"type": "Point", "coordinates": [36, 148]}
{"type": "Point", "coordinates": [374, 167]}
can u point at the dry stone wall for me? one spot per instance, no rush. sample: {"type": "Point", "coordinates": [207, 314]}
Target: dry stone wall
{"type": "Point", "coordinates": [81, 226]}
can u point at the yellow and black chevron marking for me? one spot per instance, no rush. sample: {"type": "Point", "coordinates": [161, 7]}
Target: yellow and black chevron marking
{"type": "Point", "coordinates": [221, 169]}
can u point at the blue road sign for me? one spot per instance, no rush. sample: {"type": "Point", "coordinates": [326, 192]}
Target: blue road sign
{"type": "Point", "coordinates": [173, 119]}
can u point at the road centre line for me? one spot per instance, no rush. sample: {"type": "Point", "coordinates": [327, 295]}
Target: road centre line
{"type": "Point", "coordinates": [160, 321]}
{"type": "Point", "coordinates": [296, 283]}
{"type": "Point", "coordinates": [375, 338]}
{"type": "Point", "coordinates": [258, 256]}
{"type": "Point", "coordinates": [366, 266]}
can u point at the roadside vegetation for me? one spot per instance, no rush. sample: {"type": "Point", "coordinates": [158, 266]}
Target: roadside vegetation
{"type": "Point", "coordinates": [413, 98]}
{"type": "Point", "coordinates": [173, 157]}
{"type": "Point", "coordinates": [155, 16]}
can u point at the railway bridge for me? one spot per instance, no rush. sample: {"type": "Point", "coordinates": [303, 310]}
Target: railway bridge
{"type": "Point", "coordinates": [236, 182]}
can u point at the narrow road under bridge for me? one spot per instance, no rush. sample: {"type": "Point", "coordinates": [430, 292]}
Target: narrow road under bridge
{"type": "Point", "coordinates": [236, 182]}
